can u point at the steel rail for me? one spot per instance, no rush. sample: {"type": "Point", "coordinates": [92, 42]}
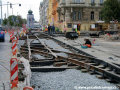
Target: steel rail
{"type": "Point", "coordinates": [78, 58]}
{"type": "Point", "coordinates": [88, 66]}
{"type": "Point", "coordinates": [28, 43]}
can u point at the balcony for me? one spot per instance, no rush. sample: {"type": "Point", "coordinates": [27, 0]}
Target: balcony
{"type": "Point", "coordinates": [62, 3]}
{"type": "Point", "coordinates": [80, 4]}
{"type": "Point", "coordinates": [92, 4]}
{"type": "Point", "coordinates": [73, 2]}
{"type": "Point", "coordinates": [101, 4]}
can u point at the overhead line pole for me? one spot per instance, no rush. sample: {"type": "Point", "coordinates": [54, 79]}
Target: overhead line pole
{"type": "Point", "coordinates": [1, 11]}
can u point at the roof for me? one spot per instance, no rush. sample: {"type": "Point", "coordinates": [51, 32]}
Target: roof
{"type": "Point", "coordinates": [30, 12]}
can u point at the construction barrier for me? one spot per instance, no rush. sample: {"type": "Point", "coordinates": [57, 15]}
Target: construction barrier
{"type": "Point", "coordinates": [12, 37]}
{"type": "Point", "coordinates": [13, 72]}
{"type": "Point", "coordinates": [14, 47]}
{"type": "Point", "coordinates": [28, 88]}
{"type": "Point", "coordinates": [5, 31]}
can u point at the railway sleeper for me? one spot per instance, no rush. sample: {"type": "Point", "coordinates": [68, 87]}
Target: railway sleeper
{"type": "Point", "coordinates": [98, 70]}
{"type": "Point", "coordinates": [99, 76]}
{"type": "Point", "coordinates": [37, 46]}
{"type": "Point", "coordinates": [111, 75]}
{"type": "Point", "coordinates": [71, 64]}
{"type": "Point", "coordinates": [116, 71]}
{"type": "Point", "coordinates": [34, 59]}
{"type": "Point", "coordinates": [111, 80]}
{"type": "Point", "coordinates": [92, 72]}
{"type": "Point", "coordinates": [80, 67]}
{"type": "Point", "coordinates": [42, 63]}
{"type": "Point", "coordinates": [58, 64]}
{"type": "Point", "coordinates": [118, 85]}
{"type": "Point", "coordinates": [84, 70]}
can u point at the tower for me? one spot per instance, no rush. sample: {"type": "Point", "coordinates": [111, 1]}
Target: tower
{"type": "Point", "coordinates": [30, 19]}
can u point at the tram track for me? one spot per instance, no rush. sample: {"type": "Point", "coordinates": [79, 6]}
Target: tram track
{"type": "Point", "coordinates": [75, 58]}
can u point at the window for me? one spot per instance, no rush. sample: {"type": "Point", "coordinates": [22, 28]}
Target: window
{"type": "Point", "coordinates": [101, 1]}
{"type": "Point", "coordinates": [100, 17]}
{"type": "Point", "coordinates": [63, 1]}
{"type": "Point", "coordinates": [69, 25]}
{"type": "Point", "coordinates": [92, 1]}
{"type": "Point", "coordinates": [78, 1]}
{"type": "Point", "coordinates": [74, 15]}
{"type": "Point", "coordinates": [92, 15]}
{"type": "Point", "coordinates": [79, 15]}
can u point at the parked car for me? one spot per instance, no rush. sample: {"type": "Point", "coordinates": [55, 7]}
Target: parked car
{"type": "Point", "coordinates": [2, 34]}
{"type": "Point", "coordinates": [71, 35]}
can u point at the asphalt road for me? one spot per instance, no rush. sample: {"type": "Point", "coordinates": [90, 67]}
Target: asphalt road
{"type": "Point", "coordinates": [5, 55]}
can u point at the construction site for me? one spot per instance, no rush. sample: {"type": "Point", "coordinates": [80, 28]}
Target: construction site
{"type": "Point", "coordinates": [50, 62]}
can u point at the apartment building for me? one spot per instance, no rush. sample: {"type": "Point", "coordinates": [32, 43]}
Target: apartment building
{"type": "Point", "coordinates": [55, 13]}
{"type": "Point", "coordinates": [79, 14]}
{"type": "Point", "coordinates": [43, 12]}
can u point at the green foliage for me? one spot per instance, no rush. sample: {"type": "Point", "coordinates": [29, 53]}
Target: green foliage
{"type": "Point", "coordinates": [14, 21]}
{"type": "Point", "coordinates": [5, 22]}
{"type": "Point", "coordinates": [111, 10]}
{"type": "Point", "coordinates": [56, 29]}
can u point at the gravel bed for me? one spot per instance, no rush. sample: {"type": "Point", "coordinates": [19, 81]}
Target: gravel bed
{"type": "Point", "coordinates": [67, 80]}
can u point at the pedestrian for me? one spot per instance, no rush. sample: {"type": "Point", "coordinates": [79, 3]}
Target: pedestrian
{"type": "Point", "coordinates": [53, 29]}
{"type": "Point", "coordinates": [49, 29]}
{"type": "Point", "coordinates": [65, 30]}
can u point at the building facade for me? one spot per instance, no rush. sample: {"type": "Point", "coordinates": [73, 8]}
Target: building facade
{"type": "Point", "coordinates": [40, 13]}
{"type": "Point", "coordinates": [79, 14]}
{"type": "Point", "coordinates": [55, 13]}
{"type": "Point", "coordinates": [49, 12]}
{"type": "Point", "coordinates": [43, 13]}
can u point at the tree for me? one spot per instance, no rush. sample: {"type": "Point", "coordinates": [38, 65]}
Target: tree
{"type": "Point", "coordinates": [111, 10]}
{"type": "Point", "coordinates": [14, 21]}
{"type": "Point", "coordinates": [5, 21]}
{"type": "Point", "coordinates": [11, 20]}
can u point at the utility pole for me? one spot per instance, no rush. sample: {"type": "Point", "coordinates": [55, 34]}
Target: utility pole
{"type": "Point", "coordinates": [7, 10]}
{"type": "Point", "coordinates": [12, 11]}
{"type": "Point", "coordinates": [1, 11]}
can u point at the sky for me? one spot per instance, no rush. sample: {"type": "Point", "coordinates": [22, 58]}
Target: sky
{"type": "Point", "coordinates": [23, 10]}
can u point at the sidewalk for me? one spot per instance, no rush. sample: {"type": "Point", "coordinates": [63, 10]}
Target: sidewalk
{"type": "Point", "coordinates": [105, 50]}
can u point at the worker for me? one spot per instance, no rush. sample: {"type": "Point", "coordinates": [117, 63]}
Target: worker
{"type": "Point", "coordinates": [88, 43]}
{"type": "Point", "coordinates": [53, 29]}
{"type": "Point", "coordinates": [46, 29]}
{"type": "Point", "coordinates": [49, 29]}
